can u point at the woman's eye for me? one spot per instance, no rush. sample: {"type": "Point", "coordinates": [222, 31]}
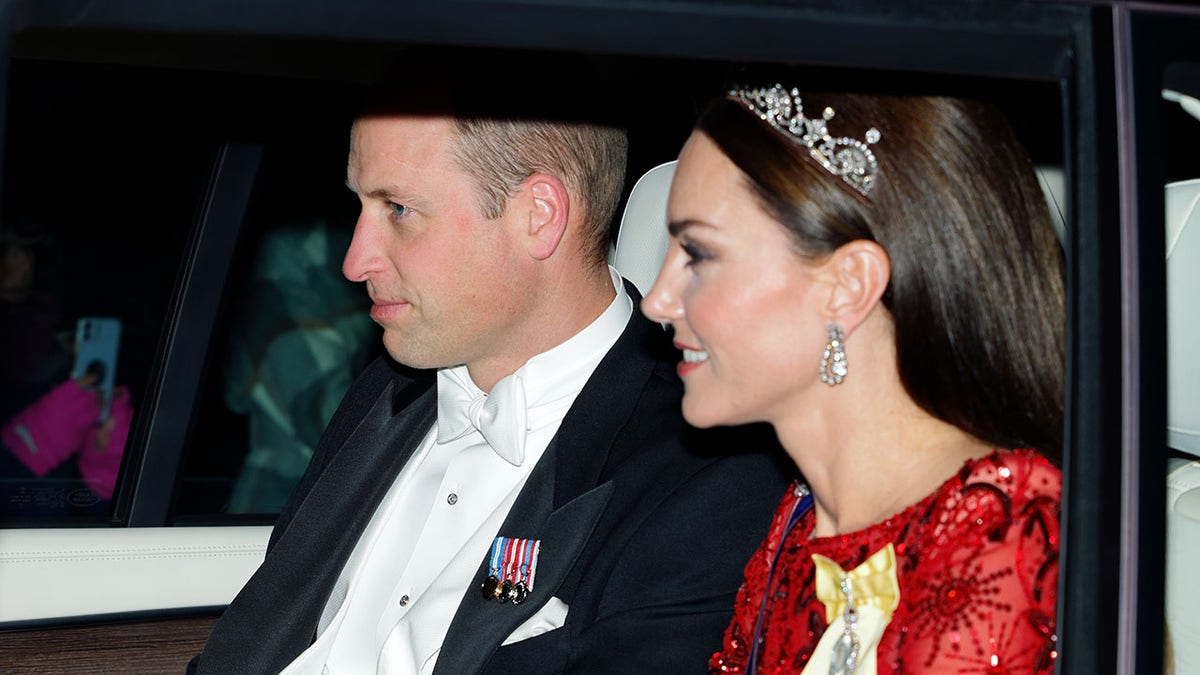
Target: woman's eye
{"type": "Point", "coordinates": [398, 210]}
{"type": "Point", "coordinates": [695, 254]}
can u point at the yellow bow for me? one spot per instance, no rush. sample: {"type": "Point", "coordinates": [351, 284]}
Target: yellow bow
{"type": "Point", "coordinates": [872, 584]}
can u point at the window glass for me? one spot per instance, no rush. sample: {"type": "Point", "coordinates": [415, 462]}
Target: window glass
{"type": "Point", "coordinates": [293, 334]}
{"type": "Point", "coordinates": [100, 188]}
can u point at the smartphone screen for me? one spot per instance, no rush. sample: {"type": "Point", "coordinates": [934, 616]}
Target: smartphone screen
{"type": "Point", "coordinates": [97, 340]}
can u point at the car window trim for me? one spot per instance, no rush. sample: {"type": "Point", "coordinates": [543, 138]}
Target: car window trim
{"type": "Point", "coordinates": [149, 478]}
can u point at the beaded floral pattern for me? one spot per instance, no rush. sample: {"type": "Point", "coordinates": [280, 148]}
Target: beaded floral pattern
{"type": "Point", "coordinates": [977, 566]}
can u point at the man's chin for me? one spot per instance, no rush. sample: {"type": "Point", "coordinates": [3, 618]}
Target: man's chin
{"type": "Point", "coordinates": [404, 352]}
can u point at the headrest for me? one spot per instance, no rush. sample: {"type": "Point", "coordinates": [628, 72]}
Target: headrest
{"type": "Point", "coordinates": [642, 240]}
{"type": "Point", "coordinates": [1183, 321]}
{"type": "Point", "coordinates": [1052, 182]}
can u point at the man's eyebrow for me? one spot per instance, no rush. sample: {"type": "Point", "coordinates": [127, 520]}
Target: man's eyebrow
{"type": "Point", "coordinates": [384, 193]}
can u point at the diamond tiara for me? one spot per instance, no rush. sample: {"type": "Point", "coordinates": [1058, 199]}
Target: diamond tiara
{"type": "Point", "coordinates": [847, 158]}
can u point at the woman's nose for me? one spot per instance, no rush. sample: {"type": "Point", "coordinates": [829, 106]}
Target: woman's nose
{"type": "Point", "coordinates": [662, 304]}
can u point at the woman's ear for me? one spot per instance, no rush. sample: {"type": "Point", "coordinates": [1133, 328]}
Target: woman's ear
{"type": "Point", "coordinates": [860, 271]}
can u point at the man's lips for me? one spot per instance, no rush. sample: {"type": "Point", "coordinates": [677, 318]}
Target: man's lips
{"type": "Point", "coordinates": [382, 310]}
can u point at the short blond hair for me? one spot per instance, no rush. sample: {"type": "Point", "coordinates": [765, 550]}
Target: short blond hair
{"type": "Point", "coordinates": [505, 135]}
{"type": "Point", "coordinates": [500, 154]}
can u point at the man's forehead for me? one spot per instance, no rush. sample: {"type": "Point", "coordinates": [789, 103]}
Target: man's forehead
{"type": "Point", "coordinates": [399, 138]}
{"type": "Point", "coordinates": [401, 126]}
{"type": "Point", "coordinates": [392, 154]}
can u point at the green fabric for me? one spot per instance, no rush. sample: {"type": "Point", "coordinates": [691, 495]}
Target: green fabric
{"type": "Point", "coordinates": [302, 336]}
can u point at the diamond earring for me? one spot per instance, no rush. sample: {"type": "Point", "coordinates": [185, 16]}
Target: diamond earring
{"type": "Point", "coordinates": [833, 361]}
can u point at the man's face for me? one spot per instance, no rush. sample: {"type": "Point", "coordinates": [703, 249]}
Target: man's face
{"type": "Point", "coordinates": [445, 281]}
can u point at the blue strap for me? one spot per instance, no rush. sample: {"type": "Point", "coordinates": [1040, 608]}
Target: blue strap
{"type": "Point", "coordinates": [798, 510]}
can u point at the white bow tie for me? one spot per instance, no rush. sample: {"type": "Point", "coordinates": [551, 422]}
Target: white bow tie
{"type": "Point", "coordinates": [500, 416]}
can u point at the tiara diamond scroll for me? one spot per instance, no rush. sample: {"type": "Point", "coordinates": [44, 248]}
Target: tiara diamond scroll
{"type": "Point", "coordinates": [847, 158]}
{"type": "Point", "coordinates": [833, 361]}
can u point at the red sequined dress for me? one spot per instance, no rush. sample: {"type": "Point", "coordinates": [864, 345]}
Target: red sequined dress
{"type": "Point", "coordinates": [977, 564]}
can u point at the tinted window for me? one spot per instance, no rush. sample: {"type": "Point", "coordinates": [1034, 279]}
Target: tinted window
{"type": "Point", "coordinates": [102, 180]}
{"type": "Point", "coordinates": [294, 333]}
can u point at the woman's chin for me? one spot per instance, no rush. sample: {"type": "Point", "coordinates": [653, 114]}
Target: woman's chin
{"type": "Point", "coordinates": [703, 413]}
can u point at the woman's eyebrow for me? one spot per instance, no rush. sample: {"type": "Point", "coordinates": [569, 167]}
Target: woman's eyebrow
{"type": "Point", "coordinates": [677, 227]}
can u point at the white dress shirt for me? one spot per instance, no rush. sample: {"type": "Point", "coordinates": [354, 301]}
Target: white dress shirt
{"type": "Point", "coordinates": [393, 603]}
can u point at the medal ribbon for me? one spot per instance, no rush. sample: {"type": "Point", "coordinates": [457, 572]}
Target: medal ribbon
{"type": "Point", "coordinates": [494, 559]}
{"type": "Point", "coordinates": [875, 593]}
{"type": "Point", "coordinates": [510, 563]}
{"type": "Point", "coordinates": [529, 562]}
{"type": "Point", "coordinates": [873, 583]}
{"type": "Point", "coordinates": [533, 558]}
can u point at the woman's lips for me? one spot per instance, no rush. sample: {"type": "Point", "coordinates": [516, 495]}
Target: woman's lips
{"type": "Point", "coordinates": [693, 358]}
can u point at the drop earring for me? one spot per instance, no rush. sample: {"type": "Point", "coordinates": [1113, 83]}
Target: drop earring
{"type": "Point", "coordinates": [833, 361]}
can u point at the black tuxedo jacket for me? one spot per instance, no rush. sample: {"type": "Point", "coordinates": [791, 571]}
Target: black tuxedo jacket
{"type": "Point", "coordinates": [645, 523]}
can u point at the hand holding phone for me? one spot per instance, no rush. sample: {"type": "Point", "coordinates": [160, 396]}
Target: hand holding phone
{"type": "Point", "coordinates": [97, 341]}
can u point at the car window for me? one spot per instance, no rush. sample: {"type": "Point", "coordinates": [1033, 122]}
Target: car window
{"type": "Point", "coordinates": [293, 335]}
{"type": "Point", "coordinates": [100, 189]}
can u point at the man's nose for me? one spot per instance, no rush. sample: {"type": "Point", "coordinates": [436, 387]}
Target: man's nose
{"type": "Point", "coordinates": [364, 255]}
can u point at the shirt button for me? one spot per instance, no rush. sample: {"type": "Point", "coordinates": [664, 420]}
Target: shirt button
{"type": "Point", "coordinates": [404, 601]}
{"type": "Point", "coordinates": [451, 499]}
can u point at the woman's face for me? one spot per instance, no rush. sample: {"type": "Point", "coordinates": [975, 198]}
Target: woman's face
{"type": "Point", "coordinates": [16, 271]}
{"type": "Point", "coordinates": [746, 308]}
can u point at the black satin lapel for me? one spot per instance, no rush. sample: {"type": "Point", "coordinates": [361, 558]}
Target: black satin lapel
{"type": "Point", "coordinates": [481, 625]}
{"type": "Point", "coordinates": [604, 406]}
{"type": "Point", "coordinates": [282, 602]}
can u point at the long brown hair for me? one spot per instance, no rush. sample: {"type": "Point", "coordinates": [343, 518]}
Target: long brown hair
{"type": "Point", "coordinates": [976, 290]}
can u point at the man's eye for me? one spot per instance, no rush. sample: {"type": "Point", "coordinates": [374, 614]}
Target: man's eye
{"type": "Point", "coordinates": [398, 210]}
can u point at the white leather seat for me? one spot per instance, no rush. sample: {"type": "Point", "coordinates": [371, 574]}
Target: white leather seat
{"type": "Point", "coordinates": [1183, 423]}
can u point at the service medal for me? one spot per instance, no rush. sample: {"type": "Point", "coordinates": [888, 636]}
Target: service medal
{"type": "Point", "coordinates": [512, 566]}
{"type": "Point", "coordinates": [490, 587]}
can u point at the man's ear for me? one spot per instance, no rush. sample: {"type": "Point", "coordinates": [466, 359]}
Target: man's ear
{"type": "Point", "coordinates": [860, 271]}
{"type": "Point", "coordinates": [548, 208]}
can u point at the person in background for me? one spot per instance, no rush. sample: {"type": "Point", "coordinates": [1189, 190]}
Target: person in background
{"type": "Point", "coordinates": [878, 278]}
{"type": "Point", "coordinates": [33, 358]}
{"type": "Point", "coordinates": [301, 336]}
{"type": "Point", "coordinates": [65, 425]}
{"type": "Point", "coordinates": [530, 500]}
{"type": "Point", "coordinates": [49, 423]}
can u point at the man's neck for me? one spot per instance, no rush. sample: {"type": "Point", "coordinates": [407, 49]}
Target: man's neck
{"type": "Point", "coordinates": [569, 306]}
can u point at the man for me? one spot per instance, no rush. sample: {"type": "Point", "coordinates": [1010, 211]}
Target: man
{"type": "Point", "coordinates": [537, 504]}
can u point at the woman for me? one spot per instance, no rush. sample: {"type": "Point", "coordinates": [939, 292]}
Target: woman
{"type": "Point", "coordinates": [878, 278]}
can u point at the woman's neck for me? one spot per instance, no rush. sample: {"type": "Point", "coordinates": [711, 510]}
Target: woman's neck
{"type": "Point", "coordinates": [869, 451]}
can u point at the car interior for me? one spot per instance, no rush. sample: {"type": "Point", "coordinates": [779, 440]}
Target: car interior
{"type": "Point", "coordinates": [182, 168]}
{"type": "Point", "coordinates": [1183, 414]}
